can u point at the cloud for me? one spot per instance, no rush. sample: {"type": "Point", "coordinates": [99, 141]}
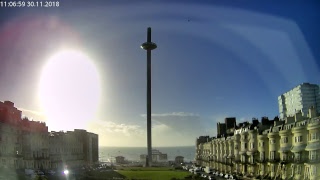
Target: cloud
{"type": "Point", "coordinates": [177, 128]}
{"type": "Point", "coordinates": [112, 127]}
{"type": "Point", "coordinates": [168, 129]}
{"type": "Point", "coordinates": [33, 114]}
{"type": "Point", "coordinates": [118, 134]}
{"type": "Point", "coordinates": [38, 113]}
{"type": "Point", "coordinates": [176, 114]}
{"type": "Point", "coordinates": [179, 121]}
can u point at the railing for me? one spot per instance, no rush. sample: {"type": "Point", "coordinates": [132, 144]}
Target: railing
{"type": "Point", "coordinates": [229, 164]}
{"type": "Point", "coordinates": [237, 161]}
{"type": "Point", "coordinates": [40, 158]}
{"type": "Point", "coordinates": [18, 155]}
{"type": "Point", "coordinates": [300, 160]}
{"type": "Point", "coordinates": [313, 160]}
{"type": "Point", "coordinates": [274, 160]}
{"type": "Point", "coordinates": [286, 161]}
{"type": "Point", "coordinates": [252, 162]}
{"type": "Point", "coordinates": [244, 162]}
{"type": "Point", "coordinates": [313, 120]}
{"type": "Point", "coordinates": [262, 160]}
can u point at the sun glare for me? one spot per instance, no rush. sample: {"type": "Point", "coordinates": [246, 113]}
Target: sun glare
{"type": "Point", "coordinates": [69, 90]}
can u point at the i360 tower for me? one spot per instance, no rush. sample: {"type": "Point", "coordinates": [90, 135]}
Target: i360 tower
{"type": "Point", "coordinates": [149, 46]}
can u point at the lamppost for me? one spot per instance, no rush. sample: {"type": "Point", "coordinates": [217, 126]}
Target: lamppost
{"type": "Point", "coordinates": [149, 46]}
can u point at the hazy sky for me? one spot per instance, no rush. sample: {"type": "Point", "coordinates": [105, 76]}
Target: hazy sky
{"type": "Point", "coordinates": [233, 58]}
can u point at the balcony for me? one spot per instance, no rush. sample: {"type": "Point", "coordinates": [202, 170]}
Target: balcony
{"type": "Point", "coordinates": [11, 155]}
{"type": "Point", "coordinates": [252, 162]}
{"type": "Point", "coordinates": [262, 160]}
{"type": "Point", "coordinates": [18, 155]}
{"type": "Point", "coordinates": [298, 129]}
{"type": "Point", "coordinates": [284, 132]}
{"type": "Point", "coordinates": [311, 146]}
{"type": "Point", "coordinates": [275, 160]}
{"type": "Point", "coordinates": [299, 160]}
{"type": "Point", "coordinates": [237, 161]}
{"type": "Point", "coordinates": [298, 148]}
{"type": "Point", "coordinates": [41, 158]}
{"type": "Point", "coordinates": [243, 151]}
{"type": "Point", "coordinates": [286, 161]}
{"type": "Point", "coordinates": [313, 161]}
{"type": "Point", "coordinates": [244, 162]}
{"type": "Point", "coordinates": [313, 123]}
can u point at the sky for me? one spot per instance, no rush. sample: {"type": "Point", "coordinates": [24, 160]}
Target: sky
{"type": "Point", "coordinates": [215, 59]}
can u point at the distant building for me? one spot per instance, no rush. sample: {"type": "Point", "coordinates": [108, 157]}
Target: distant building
{"type": "Point", "coordinates": [231, 124]}
{"type": "Point", "coordinates": [200, 141]}
{"type": "Point", "coordinates": [286, 148]}
{"type": "Point", "coordinates": [120, 160]}
{"type": "Point", "coordinates": [179, 159]}
{"type": "Point", "coordinates": [66, 150]}
{"type": "Point", "coordinates": [26, 144]}
{"type": "Point", "coordinates": [300, 98]}
{"type": "Point", "coordinates": [90, 145]}
{"type": "Point", "coordinates": [23, 143]}
{"type": "Point", "coordinates": [73, 148]}
{"type": "Point", "coordinates": [221, 129]}
{"type": "Point", "coordinates": [157, 157]}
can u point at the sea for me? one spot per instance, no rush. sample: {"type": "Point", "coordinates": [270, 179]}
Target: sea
{"type": "Point", "coordinates": [108, 154]}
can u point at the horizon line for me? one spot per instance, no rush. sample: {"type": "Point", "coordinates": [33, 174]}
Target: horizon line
{"type": "Point", "coordinates": [145, 146]}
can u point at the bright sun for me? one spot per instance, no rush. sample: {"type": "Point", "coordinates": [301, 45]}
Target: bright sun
{"type": "Point", "coordinates": [69, 90]}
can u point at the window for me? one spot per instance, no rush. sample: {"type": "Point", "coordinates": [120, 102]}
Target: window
{"type": "Point", "coordinates": [313, 170]}
{"type": "Point", "coordinates": [298, 169]}
{"type": "Point", "coordinates": [292, 169]}
{"type": "Point", "coordinates": [252, 159]}
{"type": "Point", "coordinates": [312, 155]}
{"type": "Point", "coordinates": [284, 156]}
{"type": "Point", "coordinates": [298, 139]}
{"type": "Point", "coordinates": [272, 155]}
{"type": "Point", "coordinates": [298, 156]}
{"type": "Point", "coordinates": [285, 140]}
{"type": "Point", "coordinates": [314, 136]}
{"type": "Point", "coordinates": [262, 156]}
{"type": "Point", "coordinates": [251, 145]}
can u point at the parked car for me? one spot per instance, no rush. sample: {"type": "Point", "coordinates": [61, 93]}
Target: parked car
{"type": "Point", "coordinates": [38, 172]}
{"type": "Point", "coordinates": [227, 176]}
{"type": "Point", "coordinates": [51, 172]}
{"type": "Point", "coordinates": [197, 171]}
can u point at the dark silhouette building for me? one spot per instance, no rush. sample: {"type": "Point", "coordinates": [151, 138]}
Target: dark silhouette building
{"type": "Point", "coordinates": [221, 129]}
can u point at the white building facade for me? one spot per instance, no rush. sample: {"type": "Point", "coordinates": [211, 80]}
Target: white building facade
{"type": "Point", "coordinates": [26, 144]}
{"type": "Point", "coordinates": [300, 98]}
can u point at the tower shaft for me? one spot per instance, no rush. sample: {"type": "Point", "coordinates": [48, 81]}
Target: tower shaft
{"type": "Point", "coordinates": [149, 46]}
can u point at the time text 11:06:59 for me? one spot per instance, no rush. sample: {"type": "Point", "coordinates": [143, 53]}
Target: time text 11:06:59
{"type": "Point", "coordinates": [13, 4]}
